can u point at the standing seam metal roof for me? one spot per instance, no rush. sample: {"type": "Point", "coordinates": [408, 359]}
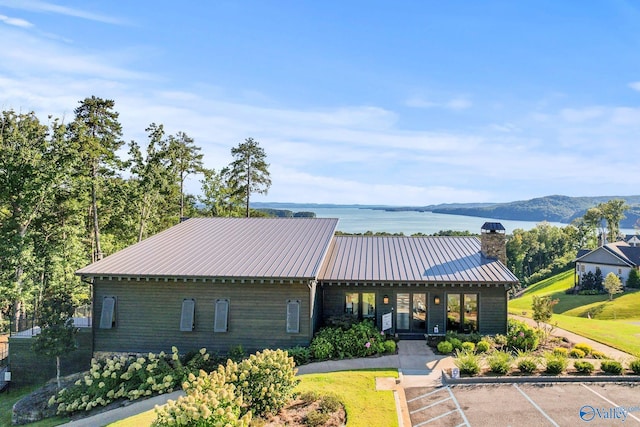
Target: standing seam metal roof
{"type": "Point", "coordinates": [411, 259]}
{"type": "Point", "coordinates": [226, 247]}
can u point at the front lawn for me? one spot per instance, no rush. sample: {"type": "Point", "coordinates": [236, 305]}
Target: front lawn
{"type": "Point", "coordinates": [365, 406]}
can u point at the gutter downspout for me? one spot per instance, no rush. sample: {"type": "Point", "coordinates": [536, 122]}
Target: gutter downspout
{"type": "Point", "coordinates": [312, 285]}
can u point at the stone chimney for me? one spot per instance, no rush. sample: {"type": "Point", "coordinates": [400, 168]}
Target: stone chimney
{"type": "Point", "coordinates": [493, 242]}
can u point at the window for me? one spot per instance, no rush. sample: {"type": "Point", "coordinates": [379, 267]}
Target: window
{"type": "Point", "coordinates": [351, 300]}
{"type": "Point", "coordinates": [369, 305]}
{"type": "Point", "coordinates": [187, 317]}
{"type": "Point", "coordinates": [293, 316]}
{"type": "Point", "coordinates": [462, 312]}
{"type": "Point", "coordinates": [220, 323]}
{"type": "Point", "coordinates": [107, 316]}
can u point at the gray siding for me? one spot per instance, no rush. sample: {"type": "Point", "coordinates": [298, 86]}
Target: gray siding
{"type": "Point", "coordinates": [492, 311]}
{"type": "Point", "coordinates": [148, 316]}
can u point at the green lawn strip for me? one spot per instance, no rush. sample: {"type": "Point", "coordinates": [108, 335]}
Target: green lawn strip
{"type": "Point", "coordinates": [623, 307]}
{"type": "Point", "coordinates": [622, 335]}
{"type": "Point", "coordinates": [365, 406]}
{"type": "Point", "coordinates": [9, 397]}
{"type": "Point", "coordinates": [559, 282]}
{"type": "Point", "coordinates": [142, 419]}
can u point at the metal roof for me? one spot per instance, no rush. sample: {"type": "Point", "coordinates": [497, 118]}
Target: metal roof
{"type": "Point", "coordinates": [411, 259]}
{"type": "Point", "coordinates": [225, 247]}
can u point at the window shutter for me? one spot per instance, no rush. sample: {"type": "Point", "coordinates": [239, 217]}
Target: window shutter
{"type": "Point", "coordinates": [293, 316]}
{"type": "Point", "coordinates": [107, 320]}
{"type": "Point", "coordinates": [222, 315]}
{"type": "Point", "coordinates": [187, 316]}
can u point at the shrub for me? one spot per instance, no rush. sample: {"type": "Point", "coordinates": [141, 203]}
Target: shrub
{"type": "Point", "coordinates": [316, 418]}
{"type": "Point", "coordinates": [500, 340]}
{"type": "Point", "coordinates": [309, 396]}
{"type": "Point", "coordinates": [576, 353]}
{"type": "Point", "coordinates": [390, 346]}
{"type": "Point", "coordinates": [598, 355]}
{"type": "Point", "coordinates": [500, 362]}
{"type": "Point", "coordinates": [583, 366]}
{"type": "Point", "coordinates": [527, 362]}
{"type": "Point", "coordinates": [210, 400]}
{"type": "Point", "coordinates": [301, 355]}
{"type": "Point", "coordinates": [521, 336]}
{"type": "Point", "coordinates": [584, 347]}
{"type": "Point", "coordinates": [467, 362]}
{"type": "Point", "coordinates": [634, 365]}
{"type": "Point", "coordinates": [358, 340]}
{"type": "Point", "coordinates": [468, 346]}
{"type": "Point", "coordinates": [122, 377]}
{"type": "Point", "coordinates": [555, 363]}
{"type": "Point", "coordinates": [456, 343]}
{"type": "Point", "coordinates": [561, 351]}
{"type": "Point", "coordinates": [237, 353]}
{"type": "Point", "coordinates": [329, 404]}
{"type": "Point", "coordinates": [321, 348]}
{"type": "Point", "coordinates": [265, 380]}
{"type": "Point", "coordinates": [445, 347]}
{"type": "Point", "coordinates": [611, 367]}
{"type": "Point", "coordinates": [483, 346]}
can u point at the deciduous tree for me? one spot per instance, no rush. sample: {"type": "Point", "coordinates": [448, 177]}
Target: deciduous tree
{"type": "Point", "coordinates": [612, 285]}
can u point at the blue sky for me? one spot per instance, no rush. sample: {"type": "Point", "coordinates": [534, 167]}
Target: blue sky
{"type": "Point", "coordinates": [376, 102]}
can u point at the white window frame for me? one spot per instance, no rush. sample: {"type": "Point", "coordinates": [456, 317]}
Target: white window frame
{"type": "Point", "coordinates": [221, 315]}
{"type": "Point", "coordinates": [187, 315]}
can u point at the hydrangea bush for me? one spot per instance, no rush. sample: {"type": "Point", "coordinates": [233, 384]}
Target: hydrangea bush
{"type": "Point", "coordinates": [127, 377]}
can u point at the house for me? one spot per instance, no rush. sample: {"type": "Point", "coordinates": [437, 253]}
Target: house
{"type": "Point", "coordinates": [618, 258]}
{"type": "Point", "coordinates": [271, 282]}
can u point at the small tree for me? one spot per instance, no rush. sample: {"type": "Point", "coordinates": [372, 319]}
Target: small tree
{"type": "Point", "coordinates": [58, 335]}
{"type": "Point", "coordinates": [249, 171]}
{"type": "Point", "coordinates": [633, 281]}
{"type": "Point", "coordinates": [542, 307]}
{"type": "Point", "coordinates": [613, 285]}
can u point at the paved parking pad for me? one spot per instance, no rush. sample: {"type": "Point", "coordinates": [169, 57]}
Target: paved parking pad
{"type": "Point", "coordinates": [567, 404]}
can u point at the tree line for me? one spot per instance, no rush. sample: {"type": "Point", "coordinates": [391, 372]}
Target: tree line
{"type": "Point", "coordinates": [547, 250]}
{"type": "Point", "coordinates": [68, 195]}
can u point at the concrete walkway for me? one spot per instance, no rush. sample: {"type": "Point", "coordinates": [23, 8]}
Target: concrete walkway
{"type": "Point", "coordinates": [416, 363]}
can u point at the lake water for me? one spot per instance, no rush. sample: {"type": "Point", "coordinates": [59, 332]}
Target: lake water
{"type": "Point", "coordinates": [360, 220]}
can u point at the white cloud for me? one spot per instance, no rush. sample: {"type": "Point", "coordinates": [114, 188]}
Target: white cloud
{"type": "Point", "coordinates": [17, 22]}
{"type": "Point", "coordinates": [635, 86]}
{"type": "Point", "coordinates": [46, 7]}
{"type": "Point", "coordinates": [455, 104]}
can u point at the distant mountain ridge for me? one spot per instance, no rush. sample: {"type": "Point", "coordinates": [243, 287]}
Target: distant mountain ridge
{"type": "Point", "coordinates": [555, 208]}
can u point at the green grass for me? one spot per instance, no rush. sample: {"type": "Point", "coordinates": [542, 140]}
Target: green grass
{"type": "Point", "coordinates": [615, 323]}
{"type": "Point", "coordinates": [623, 307]}
{"type": "Point", "coordinates": [622, 335]}
{"type": "Point", "coordinates": [9, 397]}
{"type": "Point", "coordinates": [365, 406]}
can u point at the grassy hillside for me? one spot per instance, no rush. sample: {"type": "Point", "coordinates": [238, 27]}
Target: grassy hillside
{"type": "Point", "coordinates": [615, 323]}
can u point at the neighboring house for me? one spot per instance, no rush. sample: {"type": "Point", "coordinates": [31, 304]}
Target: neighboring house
{"type": "Point", "coordinates": [271, 282]}
{"type": "Point", "coordinates": [618, 258]}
